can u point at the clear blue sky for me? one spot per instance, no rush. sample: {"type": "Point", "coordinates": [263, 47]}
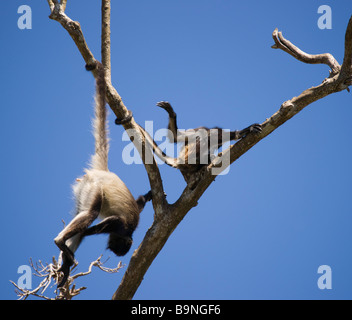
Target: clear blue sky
{"type": "Point", "coordinates": [261, 231]}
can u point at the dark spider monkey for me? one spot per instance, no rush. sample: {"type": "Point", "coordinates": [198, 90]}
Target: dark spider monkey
{"type": "Point", "coordinates": [199, 144]}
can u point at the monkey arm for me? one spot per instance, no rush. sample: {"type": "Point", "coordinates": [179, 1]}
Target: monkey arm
{"type": "Point", "coordinates": [239, 134]}
{"type": "Point", "coordinates": [112, 224]}
{"type": "Point", "coordinates": [142, 200]}
{"type": "Point", "coordinates": [77, 226]}
{"type": "Point", "coordinates": [120, 234]}
{"type": "Point", "coordinates": [172, 126]}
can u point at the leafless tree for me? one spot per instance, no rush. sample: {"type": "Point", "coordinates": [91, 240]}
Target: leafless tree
{"type": "Point", "coordinates": [168, 216]}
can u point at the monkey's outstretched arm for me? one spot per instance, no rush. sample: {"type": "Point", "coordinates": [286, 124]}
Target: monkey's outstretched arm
{"type": "Point", "coordinates": [172, 120]}
{"type": "Point", "coordinates": [239, 134]}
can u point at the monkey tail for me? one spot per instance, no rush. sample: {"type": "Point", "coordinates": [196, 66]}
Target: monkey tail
{"type": "Point", "coordinates": [99, 160]}
{"type": "Point", "coordinates": [172, 162]}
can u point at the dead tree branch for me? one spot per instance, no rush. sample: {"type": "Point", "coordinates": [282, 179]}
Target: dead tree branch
{"type": "Point", "coordinates": [167, 217]}
{"type": "Point", "coordinates": [105, 39]}
{"type": "Point", "coordinates": [290, 48]}
{"type": "Point", "coordinates": [159, 232]}
{"type": "Point", "coordinates": [50, 272]}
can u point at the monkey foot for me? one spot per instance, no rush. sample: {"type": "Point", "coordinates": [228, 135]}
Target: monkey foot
{"type": "Point", "coordinates": [124, 120]}
{"type": "Point", "coordinates": [256, 128]}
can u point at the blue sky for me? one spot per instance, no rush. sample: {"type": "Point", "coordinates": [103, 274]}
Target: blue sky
{"type": "Point", "coordinates": [259, 232]}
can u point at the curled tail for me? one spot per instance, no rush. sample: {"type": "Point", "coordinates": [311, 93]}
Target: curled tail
{"type": "Point", "coordinates": [99, 160]}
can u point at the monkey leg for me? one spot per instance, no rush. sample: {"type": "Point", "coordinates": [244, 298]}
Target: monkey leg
{"type": "Point", "coordinates": [112, 224]}
{"type": "Point", "coordinates": [172, 126]}
{"type": "Point", "coordinates": [65, 269]}
{"type": "Point", "coordinates": [239, 134]}
{"type": "Point", "coordinates": [76, 227]}
{"type": "Point", "coordinates": [142, 200]}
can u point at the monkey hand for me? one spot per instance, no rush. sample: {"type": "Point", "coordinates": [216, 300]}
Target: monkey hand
{"type": "Point", "coordinates": [65, 269]}
{"type": "Point", "coordinates": [256, 128]}
{"type": "Point", "coordinates": [68, 260]}
{"type": "Point", "coordinates": [167, 107]}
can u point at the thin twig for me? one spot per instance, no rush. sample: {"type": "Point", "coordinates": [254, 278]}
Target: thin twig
{"type": "Point", "coordinates": [50, 272]}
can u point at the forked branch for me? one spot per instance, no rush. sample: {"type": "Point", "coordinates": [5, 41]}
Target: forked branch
{"type": "Point", "coordinates": [171, 216]}
{"type": "Point", "coordinates": [340, 79]}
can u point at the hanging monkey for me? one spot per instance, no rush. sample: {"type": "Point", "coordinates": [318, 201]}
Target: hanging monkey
{"type": "Point", "coordinates": [100, 193]}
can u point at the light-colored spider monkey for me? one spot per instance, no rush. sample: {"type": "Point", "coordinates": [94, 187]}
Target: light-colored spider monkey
{"type": "Point", "coordinates": [100, 194]}
{"type": "Point", "coordinates": [199, 144]}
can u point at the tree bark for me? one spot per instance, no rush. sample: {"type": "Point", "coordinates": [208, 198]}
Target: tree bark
{"type": "Point", "coordinates": [167, 217]}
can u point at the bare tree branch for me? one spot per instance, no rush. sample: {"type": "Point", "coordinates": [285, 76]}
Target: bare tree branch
{"type": "Point", "coordinates": [73, 28]}
{"type": "Point", "coordinates": [105, 39]}
{"type": "Point", "coordinates": [50, 272]}
{"type": "Point", "coordinates": [167, 217]}
{"type": "Point", "coordinates": [159, 233]}
{"type": "Point", "coordinates": [63, 4]}
{"type": "Point", "coordinates": [287, 46]}
{"type": "Point", "coordinates": [51, 5]}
